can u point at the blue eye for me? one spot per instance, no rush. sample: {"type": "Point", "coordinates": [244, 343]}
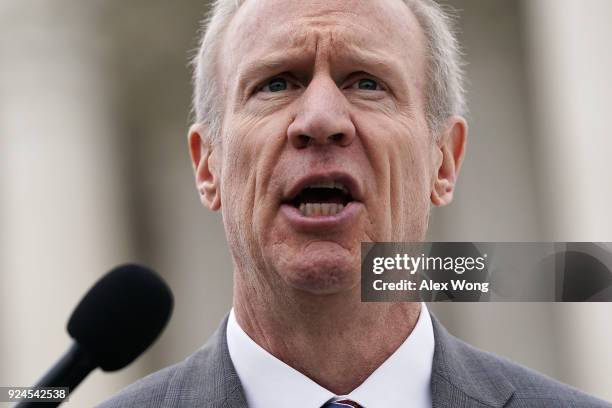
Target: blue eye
{"type": "Point", "coordinates": [367, 84]}
{"type": "Point", "coordinates": [275, 85]}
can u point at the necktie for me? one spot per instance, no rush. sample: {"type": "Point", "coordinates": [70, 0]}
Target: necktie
{"type": "Point", "coordinates": [341, 404]}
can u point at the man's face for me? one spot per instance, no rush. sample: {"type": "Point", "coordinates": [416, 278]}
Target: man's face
{"type": "Point", "coordinates": [325, 142]}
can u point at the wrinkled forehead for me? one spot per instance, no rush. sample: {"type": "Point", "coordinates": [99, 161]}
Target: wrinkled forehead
{"type": "Point", "coordinates": [303, 28]}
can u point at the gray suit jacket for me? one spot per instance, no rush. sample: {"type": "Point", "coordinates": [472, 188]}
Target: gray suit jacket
{"type": "Point", "coordinates": [462, 376]}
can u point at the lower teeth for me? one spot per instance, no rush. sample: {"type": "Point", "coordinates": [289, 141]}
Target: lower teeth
{"type": "Point", "coordinates": [320, 209]}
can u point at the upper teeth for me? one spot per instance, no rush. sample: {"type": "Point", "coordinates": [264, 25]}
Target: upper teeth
{"type": "Point", "coordinates": [329, 184]}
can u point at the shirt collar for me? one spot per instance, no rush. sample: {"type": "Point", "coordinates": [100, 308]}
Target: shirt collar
{"type": "Point", "coordinates": [402, 380]}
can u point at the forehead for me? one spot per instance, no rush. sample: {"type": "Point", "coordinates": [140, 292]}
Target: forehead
{"type": "Point", "coordinates": [301, 28]}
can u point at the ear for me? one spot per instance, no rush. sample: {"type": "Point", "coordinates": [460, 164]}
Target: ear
{"type": "Point", "coordinates": [450, 151]}
{"type": "Point", "coordinates": [205, 167]}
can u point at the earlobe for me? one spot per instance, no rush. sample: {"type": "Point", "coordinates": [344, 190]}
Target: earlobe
{"type": "Point", "coordinates": [203, 159]}
{"type": "Point", "coordinates": [451, 148]}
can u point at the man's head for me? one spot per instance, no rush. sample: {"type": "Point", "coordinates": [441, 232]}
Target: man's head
{"type": "Point", "coordinates": [322, 124]}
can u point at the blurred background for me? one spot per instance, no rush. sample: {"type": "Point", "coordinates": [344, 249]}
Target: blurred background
{"type": "Point", "coordinates": [94, 171]}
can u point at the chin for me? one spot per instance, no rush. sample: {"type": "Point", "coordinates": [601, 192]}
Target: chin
{"type": "Point", "coordinates": [322, 276]}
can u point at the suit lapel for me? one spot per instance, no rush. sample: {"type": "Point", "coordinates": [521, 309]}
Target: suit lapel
{"type": "Point", "coordinates": [207, 378]}
{"type": "Point", "coordinates": [463, 376]}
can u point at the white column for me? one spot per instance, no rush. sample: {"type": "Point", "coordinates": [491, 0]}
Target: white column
{"type": "Point", "coordinates": [569, 49]}
{"type": "Point", "coordinates": [62, 216]}
{"type": "Point", "coordinates": [571, 62]}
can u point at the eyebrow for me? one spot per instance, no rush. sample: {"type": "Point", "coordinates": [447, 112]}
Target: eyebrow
{"type": "Point", "coordinates": [263, 67]}
{"type": "Point", "coordinates": [288, 60]}
{"type": "Point", "coordinates": [374, 62]}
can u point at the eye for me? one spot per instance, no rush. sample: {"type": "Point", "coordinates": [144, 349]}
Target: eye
{"type": "Point", "coordinates": [367, 84]}
{"type": "Point", "coordinates": [276, 84]}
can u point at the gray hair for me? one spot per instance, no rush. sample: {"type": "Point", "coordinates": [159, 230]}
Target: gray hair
{"type": "Point", "coordinates": [445, 77]}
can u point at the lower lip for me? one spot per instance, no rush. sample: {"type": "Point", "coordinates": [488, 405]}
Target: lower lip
{"type": "Point", "coordinates": [344, 218]}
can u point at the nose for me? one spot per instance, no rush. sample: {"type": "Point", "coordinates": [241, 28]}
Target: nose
{"type": "Point", "coordinates": [322, 117]}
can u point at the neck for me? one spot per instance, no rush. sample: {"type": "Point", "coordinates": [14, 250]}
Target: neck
{"type": "Point", "coordinates": [335, 340]}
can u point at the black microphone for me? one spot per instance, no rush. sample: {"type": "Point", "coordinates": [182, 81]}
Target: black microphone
{"type": "Point", "coordinates": [118, 319]}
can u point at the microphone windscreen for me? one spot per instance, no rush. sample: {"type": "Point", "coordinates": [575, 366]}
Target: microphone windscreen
{"type": "Point", "coordinates": [121, 315]}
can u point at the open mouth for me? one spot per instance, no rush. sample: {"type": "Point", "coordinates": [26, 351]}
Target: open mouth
{"type": "Point", "coordinates": [322, 199]}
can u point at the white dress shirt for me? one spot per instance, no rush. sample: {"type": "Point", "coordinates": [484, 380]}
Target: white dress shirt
{"type": "Point", "coordinates": [403, 380]}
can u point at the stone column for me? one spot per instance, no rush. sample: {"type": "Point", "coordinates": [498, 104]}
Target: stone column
{"type": "Point", "coordinates": [569, 51]}
{"type": "Point", "coordinates": [62, 210]}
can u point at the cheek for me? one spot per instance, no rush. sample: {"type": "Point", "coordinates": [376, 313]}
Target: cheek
{"type": "Point", "coordinates": [239, 160]}
{"type": "Point", "coordinates": [413, 161]}
{"type": "Point", "coordinates": [251, 151]}
{"type": "Point", "coordinates": [412, 187]}
{"type": "Point", "coordinates": [236, 190]}
{"type": "Point", "coordinates": [398, 149]}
